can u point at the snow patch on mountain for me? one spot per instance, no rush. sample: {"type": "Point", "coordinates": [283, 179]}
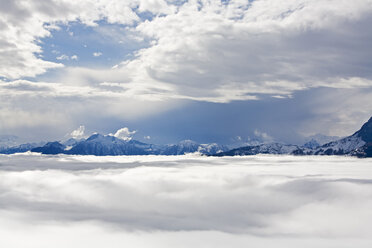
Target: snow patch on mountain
{"type": "Point", "coordinates": [342, 146]}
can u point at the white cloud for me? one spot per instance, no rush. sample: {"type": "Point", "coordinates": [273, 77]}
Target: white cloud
{"type": "Point", "coordinates": [66, 57]}
{"type": "Point", "coordinates": [260, 201]}
{"type": "Point", "coordinates": [97, 54]}
{"type": "Point", "coordinates": [339, 112]}
{"type": "Point", "coordinates": [50, 110]}
{"type": "Point", "coordinates": [63, 57]}
{"type": "Point", "coordinates": [124, 133]}
{"type": "Point", "coordinates": [23, 23]}
{"type": "Point", "coordinates": [78, 133]}
{"type": "Point", "coordinates": [213, 54]}
{"type": "Point", "coordinates": [262, 136]}
{"type": "Point", "coordinates": [218, 52]}
{"type": "Point", "coordinates": [197, 50]}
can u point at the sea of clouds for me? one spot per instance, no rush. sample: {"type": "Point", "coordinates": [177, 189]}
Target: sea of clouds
{"type": "Point", "coordinates": [185, 201]}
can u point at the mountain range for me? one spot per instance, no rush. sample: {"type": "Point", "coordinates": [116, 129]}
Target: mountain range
{"type": "Point", "coordinates": [102, 145]}
{"type": "Point", "coordinates": [359, 144]}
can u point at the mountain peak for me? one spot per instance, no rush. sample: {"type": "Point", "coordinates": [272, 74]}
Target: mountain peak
{"type": "Point", "coordinates": [50, 148]}
{"type": "Point", "coordinates": [102, 138]}
{"type": "Point", "coordinates": [95, 136]}
{"type": "Point", "coordinates": [312, 144]}
{"type": "Point", "coordinates": [366, 131]}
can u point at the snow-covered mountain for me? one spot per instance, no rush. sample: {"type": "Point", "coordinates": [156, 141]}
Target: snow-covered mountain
{"type": "Point", "coordinates": [210, 149]}
{"type": "Point", "coordinates": [101, 145]}
{"type": "Point", "coordinates": [340, 147]}
{"type": "Point", "coordinates": [189, 146]}
{"type": "Point", "coordinates": [359, 144]}
{"type": "Point", "coordinates": [71, 142]}
{"type": "Point", "coordinates": [311, 144]}
{"type": "Point", "coordinates": [183, 147]}
{"type": "Point", "coordinates": [20, 148]}
{"type": "Point", "coordinates": [270, 148]}
{"type": "Point", "coordinates": [50, 148]}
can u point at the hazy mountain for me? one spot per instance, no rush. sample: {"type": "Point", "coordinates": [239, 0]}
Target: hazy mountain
{"type": "Point", "coordinates": [8, 141]}
{"type": "Point", "coordinates": [20, 148]}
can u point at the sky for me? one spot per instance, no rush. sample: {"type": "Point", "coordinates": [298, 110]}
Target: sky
{"type": "Point", "coordinates": [169, 70]}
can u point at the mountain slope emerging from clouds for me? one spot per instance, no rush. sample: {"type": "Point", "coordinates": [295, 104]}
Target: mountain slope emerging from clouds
{"type": "Point", "coordinates": [104, 145]}
{"type": "Point", "coordinates": [359, 144]}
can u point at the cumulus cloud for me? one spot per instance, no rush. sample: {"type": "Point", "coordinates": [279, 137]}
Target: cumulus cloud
{"type": "Point", "coordinates": [214, 51]}
{"type": "Point", "coordinates": [235, 52]}
{"type": "Point", "coordinates": [69, 104]}
{"type": "Point", "coordinates": [209, 51]}
{"type": "Point", "coordinates": [97, 54]}
{"type": "Point", "coordinates": [219, 52]}
{"type": "Point", "coordinates": [63, 57]}
{"type": "Point", "coordinates": [78, 133]}
{"type": "Point", "coordinates": [262, 136]}
{"type": "Point", "coordinates": [124, 133]}
{"type": "Point", "coordinates": [24, 23]}
{"type": "Point", "coordinates": [66, 57]}
{"type": "Point", "coordinates": [252, 197]}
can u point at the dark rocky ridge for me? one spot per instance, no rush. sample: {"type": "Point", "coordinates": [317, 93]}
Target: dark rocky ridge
{"type": "Point", "coordinates": [50, 148]}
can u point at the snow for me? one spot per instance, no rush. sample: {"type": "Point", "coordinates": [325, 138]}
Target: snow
{"type": "Point", "coordinates": [347, 144]}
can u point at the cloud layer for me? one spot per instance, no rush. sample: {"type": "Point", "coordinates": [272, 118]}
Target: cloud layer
{"type": "Point", "coordinates": [288, 197]}
{"type": "Point", "coordinates": [209, 50]}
